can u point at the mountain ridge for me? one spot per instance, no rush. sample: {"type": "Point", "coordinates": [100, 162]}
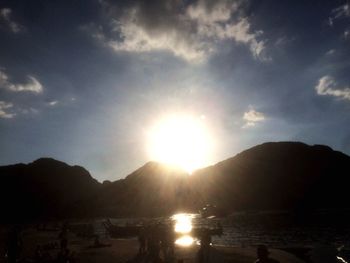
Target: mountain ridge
{"type": "Point", "coordinates": [273, 175]}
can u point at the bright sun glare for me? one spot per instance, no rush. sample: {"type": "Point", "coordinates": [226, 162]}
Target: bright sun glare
{"type": "Point", "coordinates": [182, 141]}
{"type": "Point", "coordinates": [183, 226]}
{"type": "Point", "coordinates": [183, 223]}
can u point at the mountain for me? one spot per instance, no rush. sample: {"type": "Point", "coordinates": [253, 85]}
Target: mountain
{"type": "Point", "coordinates": [280, 175]}
{"type": "Point", "coordinates": [45, 189]}
{"type": "Point", "coordinates": [283, 175]}
{"type": "Point", "coordinates": [154, 189]}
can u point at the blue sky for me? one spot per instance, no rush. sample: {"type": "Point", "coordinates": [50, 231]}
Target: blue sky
{"type": "Point", "coordinates": [81, 81]}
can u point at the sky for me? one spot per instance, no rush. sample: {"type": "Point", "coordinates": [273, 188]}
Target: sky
{"type": "Point", "coordinates": [82, 81]}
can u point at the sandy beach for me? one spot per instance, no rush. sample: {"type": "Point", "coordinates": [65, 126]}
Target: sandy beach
{"type": "Point", "coordinates": [125, 250]}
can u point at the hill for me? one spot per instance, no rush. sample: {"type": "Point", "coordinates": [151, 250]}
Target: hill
{"type": "Point", "coordinates": [45, 189]}
{"type": "Point", "coordinates": [281, 175]}
{"type": "Point", "coordinates": [154, 189]}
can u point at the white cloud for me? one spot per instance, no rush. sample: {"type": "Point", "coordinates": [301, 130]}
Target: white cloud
{"type": "Point", "coordinates": [208, 12]}
{"type": "Point", "coordinates": [29, 111]}
{"type": "Point", "coordinates": [330, 21]}
{"type": "Point", "coordinates": [52, 103]}
{"type": "Point", "coordinates": [138, 39]}
{"type": "Point", "coordinates": [5, 17]}
{"type": "Point", "coordinates": [251, 117]}
{"type": "Point", "coordinates": [3, 78]}
{"type": "Point", "coordinates": [248, 124]}
{"type": "Point", "coordinates": [95, 31]}
{"type": "Point", "coordinates": [4, 106]}
{"type": "Point", "coordinates": [190, 32]}
{"type": "Point", "coordinates": [327, 86]}
{"type": "Point", "coordinates": [330, 52]}
{"type": "Point", "coordinates": [342, 11]}
{"type": "Point", "coordinates": [33, 85]}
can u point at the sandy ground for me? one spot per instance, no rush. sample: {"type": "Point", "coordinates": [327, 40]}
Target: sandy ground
{"type": "Point", "coordinates": [123, 250]}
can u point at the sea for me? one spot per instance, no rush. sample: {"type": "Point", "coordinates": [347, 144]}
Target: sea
{"type": "Point", "coordinates": [275, 229]}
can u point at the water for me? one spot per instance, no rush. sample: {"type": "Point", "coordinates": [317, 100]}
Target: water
{"type": "Point", "coordinates": [274, 229]}
{"type": "Point", "coordinates": [282, 230]}
{"type": "Point", "coordinates": [183, 226]}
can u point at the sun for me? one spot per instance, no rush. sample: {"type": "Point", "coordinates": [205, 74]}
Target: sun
{"type": "Point", "coordinates": [181, 140]}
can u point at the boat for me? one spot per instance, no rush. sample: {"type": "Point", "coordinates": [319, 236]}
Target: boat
{"type": "Point", "coordinates": [211, 211]}
{"type": "Point", "coordinates": [117, 231]}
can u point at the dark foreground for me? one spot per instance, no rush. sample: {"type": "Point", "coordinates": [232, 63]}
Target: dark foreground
{"type": "Point", "coordinates": [44, 246]}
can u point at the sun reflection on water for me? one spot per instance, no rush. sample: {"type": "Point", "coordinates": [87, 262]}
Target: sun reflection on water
{"type": "Point", "coordinates": [183, 227]}
{"type": "Point", "coordinates": [184, 241]}
{"type": "Point", "coordinates": [183, 223]}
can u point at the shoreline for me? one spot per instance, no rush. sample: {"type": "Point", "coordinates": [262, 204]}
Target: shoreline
{"type": "Point", "coordinates": [126, 250]}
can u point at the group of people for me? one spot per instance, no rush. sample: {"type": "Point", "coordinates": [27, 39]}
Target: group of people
{"type": "Point", "coordinates": [156, 242]}
{"type": "Point", "coordinates": [65, 255]}
{"type": "Point", "coordinates": [14, 247]}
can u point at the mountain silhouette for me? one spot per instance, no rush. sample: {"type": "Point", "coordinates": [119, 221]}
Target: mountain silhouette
{"type": "Point", "coordinates": [153, 189]}
{"type": "Point", "coordinates": [45, 189]}
{"type": "Point", "coordinates": [280, 175]}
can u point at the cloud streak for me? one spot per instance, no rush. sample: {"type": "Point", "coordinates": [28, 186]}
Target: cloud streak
{"type": "Point", "coordinates": [4, 107]}
{"type": "Point", "coordinates": [342, 11]}
{"type": "Point", "coordinates": [5, 18]}
{"type": "Point", "coordinates": [32, 85]}
{"type": "Point", "coordinates": [52, 103]}
{"type": "Point", "coordinates": [327, 86]}
{"type": "Point", "coordinates": [191, 32]}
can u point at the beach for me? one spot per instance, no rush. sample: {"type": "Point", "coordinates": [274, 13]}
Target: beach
{"type": "Point", "coordinates": [125, 250]}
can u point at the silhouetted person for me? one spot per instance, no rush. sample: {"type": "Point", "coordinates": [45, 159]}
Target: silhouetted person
{"type": "Point", "coordinates": [14, 244]}
{"type": "Point", "coordinates": [39, 254]}
{"type": "Point", "coordinates": [168, 242]}
{"type": "Point", "coordinates": [72, 257]}
{"type": "Point", "coordinates": [97, 242]}
{"type": "Point", "coordinates": [153, 245]}
{"type": "Point", "coordinates": [219, 228]}
{"type": "Point", "coordinates": [63, 237]}
{"type": "Point", "coordinates": [204, 250]}
{"type": "Point", "coordinates": [142, 240]}
{"type": "Point", "coordinates": [263, 255]}
{"type": "Point", "coordinates": [63, 256]}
